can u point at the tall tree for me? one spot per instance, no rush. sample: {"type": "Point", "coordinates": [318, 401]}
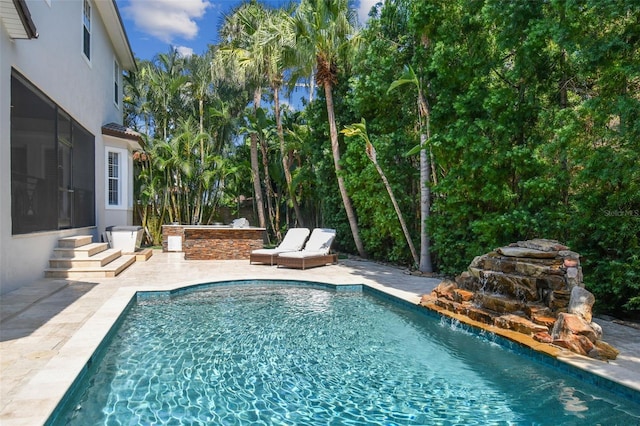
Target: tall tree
{"type": "Point", "coordinates": [238, 32]}
{"type": "Point", "coordinates": [326, 34]}
{"type": "Point", "coordinates": [199, 84]}
{"type": "Point", "coordinates": [137, 106]}
{"type": "Point", "coordinates": [360, 129]}
{"type": "Point", "coordinates": [258, 126]}
{"type": "Point", "coordinates": [274, 38]}
{"type": "Point", "coordinates": [166, 80]}
{"type": "Point", "coordinates": [424, 114]}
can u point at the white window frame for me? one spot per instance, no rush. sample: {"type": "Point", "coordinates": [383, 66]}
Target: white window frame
{"type": "Point", "coordinates": [117, 83]}
{"type": "Point", "coordinates": [122, 178]}
{"type": "Point", "coordinates": [83, 26]}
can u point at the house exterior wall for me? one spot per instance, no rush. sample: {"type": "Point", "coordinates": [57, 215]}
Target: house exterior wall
{"type": "Point", "coordinates": [55, 64]}
{"type": "Point", "coordinates": [117, 215]}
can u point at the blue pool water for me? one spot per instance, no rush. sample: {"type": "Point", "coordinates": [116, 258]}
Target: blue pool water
{"type": "Point", "coordinates": [294, 355]}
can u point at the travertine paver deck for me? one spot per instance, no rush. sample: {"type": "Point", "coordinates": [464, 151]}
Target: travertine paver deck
{"type": "Point", "coordinates": [50, 328]}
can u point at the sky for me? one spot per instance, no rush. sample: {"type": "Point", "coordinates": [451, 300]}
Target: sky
{"type": "Point", "coordinates": [154, 26]}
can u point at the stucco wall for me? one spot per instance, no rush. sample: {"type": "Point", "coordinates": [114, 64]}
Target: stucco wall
{"type": "Point", "coordinates": [118, 215]}
{"type": "Point", "coordinates": [54, 63]}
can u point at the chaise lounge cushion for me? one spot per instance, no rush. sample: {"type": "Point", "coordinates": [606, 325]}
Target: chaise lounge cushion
{"type": "Point", "coordinates": [315, 252]}
{"type": "Point", "coordinates": [293, 241]}
{"type": "Point", "coordinates": [320, 241]}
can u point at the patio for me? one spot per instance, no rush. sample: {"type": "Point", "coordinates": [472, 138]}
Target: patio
{"type": "Point", "coordinates": [50, 328]}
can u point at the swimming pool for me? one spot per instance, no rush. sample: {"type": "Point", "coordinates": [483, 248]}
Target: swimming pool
{"type": "Point", "coordinates": [302, 355]}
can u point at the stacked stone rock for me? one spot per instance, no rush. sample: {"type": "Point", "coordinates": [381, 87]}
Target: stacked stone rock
{"type": "Point", "coordinates": [533, 287]}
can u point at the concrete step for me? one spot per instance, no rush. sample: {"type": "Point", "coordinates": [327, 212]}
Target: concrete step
{"type": "Point", "coordinates": [81, 252]}
{"type": "Point", "coordinates": [75, 241]}
{"type": "Point", "coordinates": [143, 255]}
{"type": "Point", "coordinates": [96, 261]}
{"type": "Point", "coordinates": [110, 270]}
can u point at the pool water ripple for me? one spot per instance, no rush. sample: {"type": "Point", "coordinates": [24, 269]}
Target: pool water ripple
{"type": "Point", "coordinates": [282, 355]}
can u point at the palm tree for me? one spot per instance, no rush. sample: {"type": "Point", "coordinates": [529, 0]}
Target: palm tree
{"type": "Point", "coordinates": [166, 80]}
{"type": "Point", "coordinates": [274, 37]}
{"type": "Point", "coordinates": [167, 157]}
{"type": "Point", "coordinates": [360, 129]}
{"type": "Point", "coordinates": [258, 126]}
{"type": "Point", "coordinates": [199, 83]}
{"type": "Point", "coordinates": [325, 34]}
{"type": "Point", "coordinates": [137, 106]}
{"type": "Point", "coordinates": [409, 77]}
{"type": "Point", "coordinates": [199, 87]}
{"type": "Point", "coordinates": [237, 32]}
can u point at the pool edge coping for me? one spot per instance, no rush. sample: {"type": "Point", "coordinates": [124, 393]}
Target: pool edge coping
{"type": "Point", "coordinates": [124, 298]}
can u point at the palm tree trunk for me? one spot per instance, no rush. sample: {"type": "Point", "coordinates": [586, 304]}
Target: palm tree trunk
{"type": "Point", "coordinates": [197, 215]}
{"type": "Point", "coordinates": [335, 149]}
{"type": "Point", "coordinates": [372, 156]}
{"type": "Point", "coordinates": [269, 189]}
{"type": "Point", "coordinates": [255, 167]}
{"type": "Point", "coordinates": [201, 120]}
{"type": "Point", "coordinates": [425, 193]}
{"type": "Point", "coordinates": [285, 157]}
{"type": "Point", "coordinates": [425, 207]}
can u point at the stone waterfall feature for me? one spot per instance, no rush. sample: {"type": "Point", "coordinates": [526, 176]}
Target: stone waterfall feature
{"type": "Point", "coordinates": [532, 287]}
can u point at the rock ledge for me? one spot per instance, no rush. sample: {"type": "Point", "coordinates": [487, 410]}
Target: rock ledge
{"type": "Point", "coordinates": [531, 287]}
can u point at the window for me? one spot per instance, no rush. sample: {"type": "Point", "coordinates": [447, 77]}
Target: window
{"type": "Point", "coordinates": [113, 179]}
{"type": "Point", "coordinates": [116, 82]}
{"type": "Point", "coordinates": [52, 164]}
{"type": "Point", "coordinates": [86, 29]}
{"type": "Point", "coordinates": [116, 174]}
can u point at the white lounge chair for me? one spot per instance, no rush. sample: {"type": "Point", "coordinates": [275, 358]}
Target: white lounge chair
{"type": "Point", "coordinates": [315, 252]}
{"type": "Point", "coordinates": [293, 240]}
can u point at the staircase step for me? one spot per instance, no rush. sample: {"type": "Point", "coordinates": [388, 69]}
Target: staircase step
{"type": "Point", "coordinates": [82, 252]}
{"type": "Point", "coordinates": [75, 241]}
{"type": "Point", "coordinates": [143, 255]}
{"type": "Point", "coordinates": [110, 270]}
{"type": "Point", "coordinates": [96, 261]}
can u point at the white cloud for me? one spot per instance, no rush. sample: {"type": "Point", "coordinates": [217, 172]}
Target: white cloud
{"type": "Point", "coordinates": [364, 8]}
{"type": "Point", "coordinates": [184, 51]}
{"type": "Point", "coordinates": [285, 104]}
{"type": "Point", "coordinates": [167, 19]}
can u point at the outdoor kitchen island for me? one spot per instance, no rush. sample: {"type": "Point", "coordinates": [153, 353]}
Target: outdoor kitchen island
{"type": "Point", "coordinates": [212, 242]}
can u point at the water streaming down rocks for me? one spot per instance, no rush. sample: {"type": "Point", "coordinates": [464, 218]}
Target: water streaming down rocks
{"type": "Point", "coordinates": [532, 287]}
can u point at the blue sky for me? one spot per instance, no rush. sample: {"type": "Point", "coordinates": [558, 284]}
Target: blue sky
{"type": "Point", "coordinates": [153, 26]}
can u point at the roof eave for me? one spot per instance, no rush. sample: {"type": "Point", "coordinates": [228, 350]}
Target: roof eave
{"type": "Point", "coordinates": [118, 131]}
{"type": "Point", "coordinates": [27, 29]}
{"type": "Point", "coordinates": [25, 16]}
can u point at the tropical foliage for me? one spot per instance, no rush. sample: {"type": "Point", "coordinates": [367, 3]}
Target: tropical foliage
{"type": "Point", "coordinates": [520, 119]}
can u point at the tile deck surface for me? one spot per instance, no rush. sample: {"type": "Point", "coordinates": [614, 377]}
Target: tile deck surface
{"type": "Point", "coordinates": [51, 327]}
